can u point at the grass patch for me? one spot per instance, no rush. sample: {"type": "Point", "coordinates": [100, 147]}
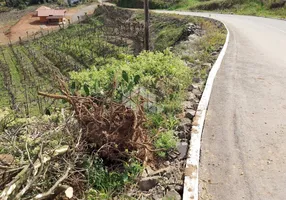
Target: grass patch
{"type": "Point", "coordinates": [106, 182]}
{"type": "Point", "coordinates": [258, 9]}
{"type": "Point", "coordinates": [255, 8]}
{"type": "Point", "coordinates": [165, 141]}
{"type": "Point", "coordinates": [153, 4]}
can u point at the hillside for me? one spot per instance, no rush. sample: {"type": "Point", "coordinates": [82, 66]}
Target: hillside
{"type": "Point", "coordinates": [272, 8]}
{"type": "Point", "coordinates": [30, 66]}
{"type": "Point", "coordinates": [86, 113]}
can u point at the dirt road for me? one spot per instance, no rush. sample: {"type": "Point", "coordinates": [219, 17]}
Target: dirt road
{"type": "Point", "coordinates": [73, 14]}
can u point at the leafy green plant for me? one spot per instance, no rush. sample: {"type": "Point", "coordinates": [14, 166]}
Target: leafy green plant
{"type": "Point", "coordinates": [165, 141]}
{"type": "Point", "coordinates": [171, 122]}
{"type": "Point", "coordinates": [155, 120]}
{"type": "Point", "coordinates": [105, 182]}
{"type": "Point", "coordinates": [161, 73]}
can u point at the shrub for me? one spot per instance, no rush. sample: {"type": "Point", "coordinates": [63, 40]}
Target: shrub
{"type": "Point", "coordinates": [162, 74]}
{"type": "Point", "coordinates": [165, 141]}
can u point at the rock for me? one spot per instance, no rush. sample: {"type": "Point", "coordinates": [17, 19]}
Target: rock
{"type": "Point", "coordinates": [208, 65]}
{"type": "Point", "coordinates": [172, 155]}
{"type": "Point", "coordinates": [182, 148]}
{"type": "Point", "coordinates": [196, 106]}
{"type": "Point", "coordinates": [171, 179]}
{"type": "Point", "coordinates": [196, 80]}
{"type": "Point", "coordinates": [186, 121]}
{"type": "Point", "coordinates": [187, 104]}
{"type": "Point", "coordinates": [198, 86]}
{"type": "Point", "coordinates": [147, 171]}
{"type": "Point", "coordinates": [190, 113]}
{"type": "Point", "coordinates": [193, 37]}
{"type": "Point", "coordinates": [214, 53]}
{"type": "Point", "coordinates": [157, 196]}
{"type": "Point", "coordinates": [161, 188]}
{"type": "Point", "coordinates": [148, 183]}
{"type": "Point", "coordinates": [181, 128]}
{"type": "Point", "coordinates": [197, 61]}
{"type": "Point", "coordinates": [196, 101]}
{"type": "Point", "coordinates": [157, 192]}
{"type": "Point", "coordinates": [167, 163]}
{"type": "Point", "coordinates": [171, 187]}
{"type": "Point", "coordinates": [184, 125]}
{"type": "Point", "coordinates": [190, 29]}
{"type": "Point", "coordinates": [191, 96]}
{"type": "Point", "coordinates": [193, 102]}
{"type": "Point", "coordinates": [179, 189]}
{"type": "Point", "coordinates": [197, 92]}
{"type": "Point", "coordinates": [146, 196]}
{"type": "Point", "coordinates": [162, 171]}
{"type": "Point", "coordinates": [190, 88]}
{"type": "Point", "coordinates": [6, 159]}
{"type": "Point", "coordinates": [172, 195]}
{"type": "Point", "coordinates": [181, 134]}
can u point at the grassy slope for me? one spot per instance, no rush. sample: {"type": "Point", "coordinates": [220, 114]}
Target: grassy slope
{"type": "Point", "coordinates": [78, 46]}
{"type": "Point", "coordinates": [248, 8]}
{"type": "Point", "coordinates": [31, 64]}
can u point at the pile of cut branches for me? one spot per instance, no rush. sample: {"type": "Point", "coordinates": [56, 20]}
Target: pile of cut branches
{"type": "Point", "coordinates": [39, 160]}
{"type": "Point", "coordinates": [48, 160]}
{"type": "Point", "coordinates": [112, 128]}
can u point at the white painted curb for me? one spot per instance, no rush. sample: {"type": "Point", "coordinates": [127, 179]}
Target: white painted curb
{"type": "Point", "coordinates": [191, 182]}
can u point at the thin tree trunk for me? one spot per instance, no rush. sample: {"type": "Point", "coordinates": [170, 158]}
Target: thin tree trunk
{"type": "Point", "coordinates": [147, 31]}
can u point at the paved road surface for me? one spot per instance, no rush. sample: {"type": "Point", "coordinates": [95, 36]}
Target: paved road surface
{"type": "Point", "coordinates": [244, 139]}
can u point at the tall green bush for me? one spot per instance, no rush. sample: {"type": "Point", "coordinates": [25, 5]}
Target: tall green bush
{"type": "Point", "coordinates": [161, 73]}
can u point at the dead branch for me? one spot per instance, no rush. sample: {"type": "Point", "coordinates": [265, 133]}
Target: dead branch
{"type": "Point", "coordinates": [53, 188]}
{"type": "Point", "coordinates": [53, 96]}
{"type": "Point", "coordinates": [24, 175]}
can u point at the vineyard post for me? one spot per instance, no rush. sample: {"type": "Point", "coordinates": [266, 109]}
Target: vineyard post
{"type": "Point", "coordinates": [147, 32]}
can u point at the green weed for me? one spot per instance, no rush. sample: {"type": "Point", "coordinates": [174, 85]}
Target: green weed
{"type": "Point", "coordinates": [165, 141]}
{"type": "Point", "coordinates": [105, 183]}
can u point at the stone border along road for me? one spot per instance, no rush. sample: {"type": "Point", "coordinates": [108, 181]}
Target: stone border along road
{"type": "Point", "coordinates": [191, 182]}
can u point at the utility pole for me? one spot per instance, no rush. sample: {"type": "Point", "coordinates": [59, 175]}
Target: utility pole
{"type": "Point", "coordinates": [147, 31]}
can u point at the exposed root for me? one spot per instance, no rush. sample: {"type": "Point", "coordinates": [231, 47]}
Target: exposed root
{"type": "Point", "coordinates": [107, 122]}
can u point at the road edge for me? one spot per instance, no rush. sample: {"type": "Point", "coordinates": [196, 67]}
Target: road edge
{"type": "Point", "coordinates": [191, 180]}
